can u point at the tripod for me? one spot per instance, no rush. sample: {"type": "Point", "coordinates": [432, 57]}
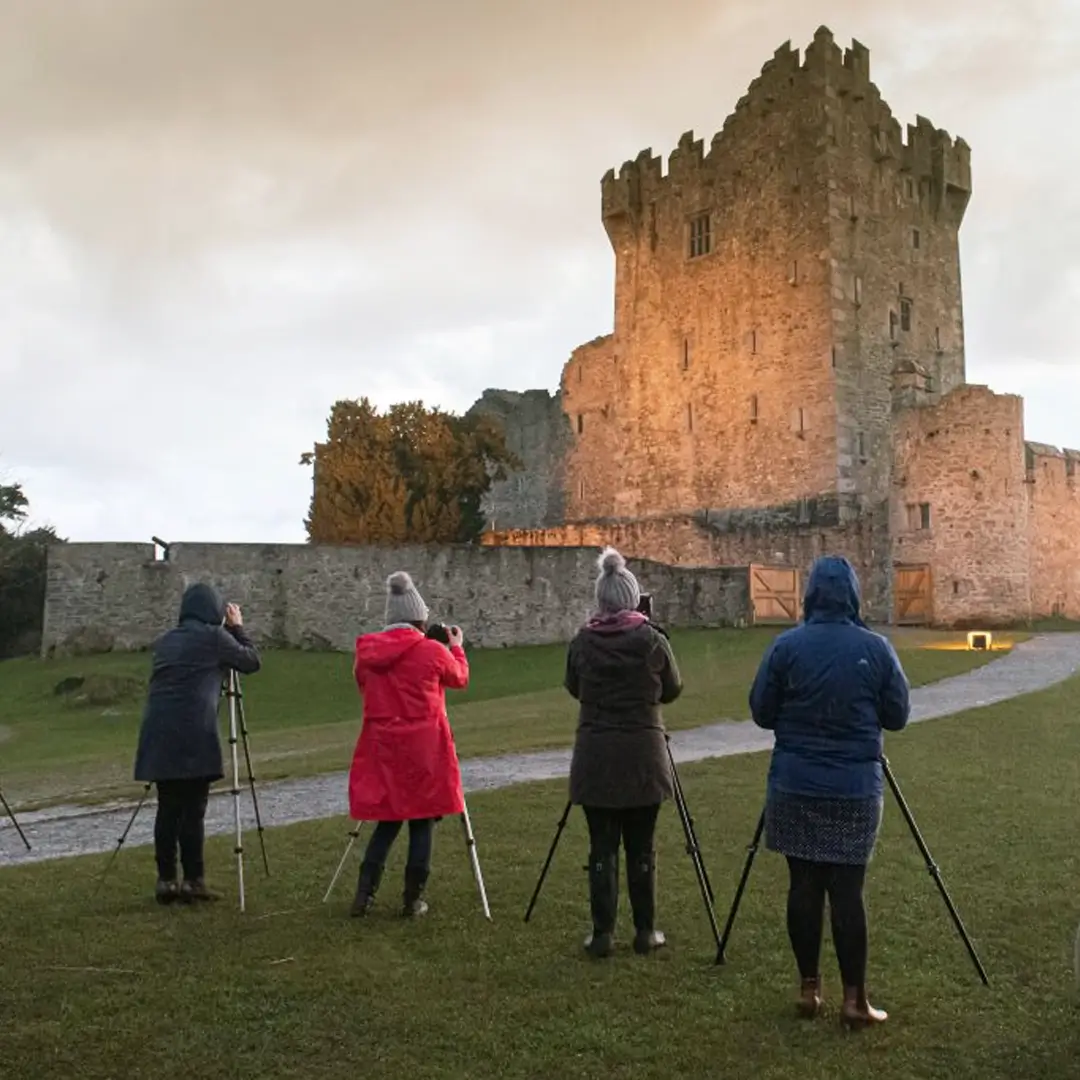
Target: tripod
{"type": "Point", "coordinates": [931, 866]}
{"type": "Point", "coordinates": [14, 820]}
{"type": "Point", "coordinates": [470, 845]}
{"type": "Point", "coordinates": [237, 725]}
{"type": "Point", "coordinates": [693, 849]}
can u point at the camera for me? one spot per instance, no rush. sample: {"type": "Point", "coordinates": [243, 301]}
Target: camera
{"type": "Point", "coordinates": [439, 632]}
{"type": "Point", "coordinates": [645, 605]}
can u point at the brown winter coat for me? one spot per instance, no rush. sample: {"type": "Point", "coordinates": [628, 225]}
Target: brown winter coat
{"type": "Point", "coordinates": [621, 670]}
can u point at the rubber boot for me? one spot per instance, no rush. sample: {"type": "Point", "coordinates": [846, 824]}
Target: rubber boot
{"type": "Point", "coordinates": [413, 904]}
{"type": "Point", "coordinates": [641, 885]}
{"type": "Point", "coordinates": [367, 886]}
{"type": "Point", "coordinates": [809, 1003]}
{"type": "Point", "coordinates": [603, 903]}
{"type": "Point", "coordinates": [857, 1012]}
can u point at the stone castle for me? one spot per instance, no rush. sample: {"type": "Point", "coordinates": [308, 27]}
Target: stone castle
{"type": "Point", "coordinates": [786, 373]}
{"type": "Point", "coordinates": [785, 378]}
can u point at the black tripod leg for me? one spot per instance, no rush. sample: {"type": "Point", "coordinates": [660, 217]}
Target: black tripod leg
{"type": "Point", "coordinates": [692, 845]}
{"type": "Point", "coordinates": [721, 957]}
{"type": "Point", "coordinates": [935, 873]}
{"type": "Point", "coordinates": [14, 821]}
{"type": "Point", "coordinates": [695, 856]}
{"type": "Point", "coordinates": [251, 774]}
{"type": "Point", "coordinates": [120, 842]}
{"type": "Point", "coordinates": [547, 862]}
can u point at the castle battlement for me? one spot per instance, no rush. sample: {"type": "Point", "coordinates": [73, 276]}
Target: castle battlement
{"type": "Point", "coordinates": [840, 79]}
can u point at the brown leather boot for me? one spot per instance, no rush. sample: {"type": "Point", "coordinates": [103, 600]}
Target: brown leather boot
{"type": "Point", "coordinates": [857, 1012]}
{"type": "Point", "coordinates": [809, 1003]}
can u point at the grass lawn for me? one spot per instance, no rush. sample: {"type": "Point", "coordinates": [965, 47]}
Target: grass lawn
{"type": "Point", "coordinates": [110, 986]}
{"type": "Point", "coordinates": [303, 709]}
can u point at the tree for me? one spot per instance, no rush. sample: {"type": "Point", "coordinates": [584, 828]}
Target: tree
{"type": "Point", "coordinates": [23, 566]}
{"type": "Point", "coordinates": [411, 475]}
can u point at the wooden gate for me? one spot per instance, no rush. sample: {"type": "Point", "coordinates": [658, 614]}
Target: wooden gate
{"type": "Point", "coordinates": [774, 594]}
{"type": "Point", "coordinates": [912, 595]}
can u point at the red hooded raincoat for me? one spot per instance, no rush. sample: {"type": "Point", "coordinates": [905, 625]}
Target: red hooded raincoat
{"type": "Point", "coordinates": [405, 765]}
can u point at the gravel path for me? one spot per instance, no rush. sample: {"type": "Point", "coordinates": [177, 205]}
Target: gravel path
{"type": "Point", "coordinates": [61, 832]}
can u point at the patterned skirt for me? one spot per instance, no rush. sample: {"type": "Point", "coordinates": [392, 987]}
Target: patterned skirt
{"type": "Point", "coordinates": [823, 830]}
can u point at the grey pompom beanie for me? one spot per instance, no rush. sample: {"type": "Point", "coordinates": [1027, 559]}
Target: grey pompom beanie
{"type": "Point", "coordinates": [403, 603]}
{"type": "Point", "coordinates": [616, 588]}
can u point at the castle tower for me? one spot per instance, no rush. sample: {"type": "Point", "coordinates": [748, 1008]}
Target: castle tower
{"type": "Point", "coordinates": [765, 291]}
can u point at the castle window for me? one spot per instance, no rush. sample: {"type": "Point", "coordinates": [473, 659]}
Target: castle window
{"type": "Point", "coordinates": [858, 289]}
{"type": "Point", "coordinates": [834, 356]}
{"type": "Point", "coordinates": [905, 315]}
{"type": "Point", "coordinates": [689, 417]}
{"type": "Point", "coordinates": [793, 273]}
{"type": "Point", "coordinates": [581, 489]}
{"type": "Point", "coordinates": [916, 239]}
{"type": "Point", "coordinates": [853, 213]}
{"type": "Point", "coordinates": [862, 448]}
{"type": "Point", "coordinates": [753, 408]}
{"type": "Point", "coordinates": [894, 322]}
{"type": "Point", "coordinates": [580, 372]}
{"type": "Point", "coordinates": [924, 515]}
{"type": "Point", "coordinates": [800, 423]}
{"type": "Point", "coordinates": [700, 236]}
{"type": "Point", "coordinates": [580, 424]}
{"type": "Point", "coordinates": [686, 353]}
{"type": "Point", "coordinates": [909, 188]}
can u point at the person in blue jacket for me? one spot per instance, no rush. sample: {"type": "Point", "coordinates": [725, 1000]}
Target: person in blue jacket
{"type": "Point", "coordinates": [828, 689]}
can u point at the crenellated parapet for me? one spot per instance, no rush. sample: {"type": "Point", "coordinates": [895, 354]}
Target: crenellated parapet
{"type": "Point", "coordinates": [811, 90]}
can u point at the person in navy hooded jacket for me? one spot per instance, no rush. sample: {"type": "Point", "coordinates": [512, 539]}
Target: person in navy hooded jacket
{"type": "Point", "coordinates": [828, 689]}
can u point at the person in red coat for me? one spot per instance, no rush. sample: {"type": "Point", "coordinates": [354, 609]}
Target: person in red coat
{"type": "Point", "coordinates": [405, 767]}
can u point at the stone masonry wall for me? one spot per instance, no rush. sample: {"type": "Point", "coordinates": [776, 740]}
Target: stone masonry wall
{"type": "Point", "coordinates": [715, 389]}
{"type": "Point", "coordinates": [323, 596]}
{"type": "Point", "coordinates": [963, 460]}
{"type": "Point", "coordinates": [1054, 521]}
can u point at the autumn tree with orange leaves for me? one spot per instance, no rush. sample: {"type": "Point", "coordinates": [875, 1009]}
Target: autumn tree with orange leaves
{"type": "Point", "coordinates": [411, 475]}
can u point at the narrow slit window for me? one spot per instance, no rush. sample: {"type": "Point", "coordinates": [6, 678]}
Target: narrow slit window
{"type": "Point", "coordinates": [858, 289]}
{"type": "Point", "coordinates": [894, 322]}
{"type": "Point", "coordinates": [937, 338]}
{"type": "Point", "coordinates": [924, 515]}
{"type": "Point", "coordinates": [833, 356]}
{"type": "Point", "coordinates": [905, 315]}
{"type": "Point", "coordinates": [581, 489]}
{"type": "Point", "coordinates": [753, 408]}
{"type": "Point", "coordinates": [800, 423]}
{"type": "Point", "coordinates": [793, 272]}
{"type": "Point", "coordinates": [580, 424]}
{"type": "Point", "coordinates": [862, 447]}
{"type": "Point", "coordinates": [689, 417]}
{"type": "Point", "coordinates": [916, 239]}
{"type": "Point", "coordinates": [753, 342]}
{"type": "Point", "coordinates": [909, 188]}
{"type": "Point", "coordinates": [686, 354]}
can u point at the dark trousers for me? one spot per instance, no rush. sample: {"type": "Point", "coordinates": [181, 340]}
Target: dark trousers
{"type": "Point", "coordinates": [634, 828]}
{"type": "Point", "coordinates": [810, 883]}
{"type": "Point", "coordinates": [421, 840]}
{"type": "Point", "coordinates": [181, 810]}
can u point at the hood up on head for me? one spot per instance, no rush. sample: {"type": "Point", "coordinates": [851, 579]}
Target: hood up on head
{"type": "Point", "coordinates": [202, 603]}
{"type": "Point", "coordinates": [832, 593]}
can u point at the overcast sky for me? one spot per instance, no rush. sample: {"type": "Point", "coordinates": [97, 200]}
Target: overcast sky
{"type": "Point", "coordinates": [217, 217]}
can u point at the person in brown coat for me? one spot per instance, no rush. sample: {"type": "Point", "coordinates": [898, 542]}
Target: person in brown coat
{"type": "Point", "coordinates": [621, 669]}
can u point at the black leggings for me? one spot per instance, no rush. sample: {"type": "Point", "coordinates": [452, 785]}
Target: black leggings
{"type": "Point", "coordinates": [806, 912]}
{"type": "Point", "coordinates": [634, 827]}
{"type": "Point", "coordinates": [181, 810]}
{"type": "Point", "coordinates": [421, 839]}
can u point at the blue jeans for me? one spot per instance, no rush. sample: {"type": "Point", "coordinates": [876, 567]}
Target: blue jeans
{"type": "Point", "coordinates": [421, 838]}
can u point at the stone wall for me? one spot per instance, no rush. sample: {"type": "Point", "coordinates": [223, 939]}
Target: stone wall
{"type": "Point", "coordinates": [322, 596]}
{"type": "Point", "coordinates": [1054, 522]}
{"type": "Point", "coordinates": [537, 431]}
{"type": "Point", "coordinates": [960, 504]}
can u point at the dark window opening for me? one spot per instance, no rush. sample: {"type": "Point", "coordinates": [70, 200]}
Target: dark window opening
{"type": "Point", "coordinates": [937, 338]}
{"type": "Point", "coordinates": [862, 448]}
{"type": "Point", "coordinates": [753, 408]}
{"type": "Point", "coordinates": [909, 188]}
{"type": "Point", "coordinates": [894, 322]}
{"type": "Point", "coordinates": [580, 424]}
{"type": "Point", "coordinates": [905, 315]}
{"type": "Point", "coordinates": [700, 236]}
{"type": "Point", "coordinates": [753, 342]}
{"type": "Point", "coordinates": [689, 417]}
{"type": "Point", "coordinates": [834, 356]}
{"type": "Point", "coordinates": [686, 353]}
{"type": "Point", "coordinates": [915, 238]}
{"type": "Point", "coordinates": [800, 422]}
{"type": "Point", "coordinates": [924, 515]}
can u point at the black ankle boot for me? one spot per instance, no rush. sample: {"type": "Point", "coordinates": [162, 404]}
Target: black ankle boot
{"type": "Point", "coordinates": [413, 903]}
{"type": "Point", "coordinates": [367, 886]}
{"type": "Point", "coordinates": [603, 903]}
{"type": "Point", "coordinates": [641, 885]}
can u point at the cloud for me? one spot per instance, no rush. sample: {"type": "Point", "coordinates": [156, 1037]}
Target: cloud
{"type": "Point", "coordinates": [217, 218]}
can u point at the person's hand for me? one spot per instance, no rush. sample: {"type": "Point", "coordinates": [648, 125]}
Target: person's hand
{"type": "Point", "coordinates": [233, 616]}
{"type": "Point", "coordinates": [456, 637]}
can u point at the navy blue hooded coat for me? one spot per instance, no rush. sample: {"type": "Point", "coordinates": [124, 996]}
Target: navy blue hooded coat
{"type": "Point", "coordinates": [179, 739]}
{"type": "Point", "coordinates": [828, 688]}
